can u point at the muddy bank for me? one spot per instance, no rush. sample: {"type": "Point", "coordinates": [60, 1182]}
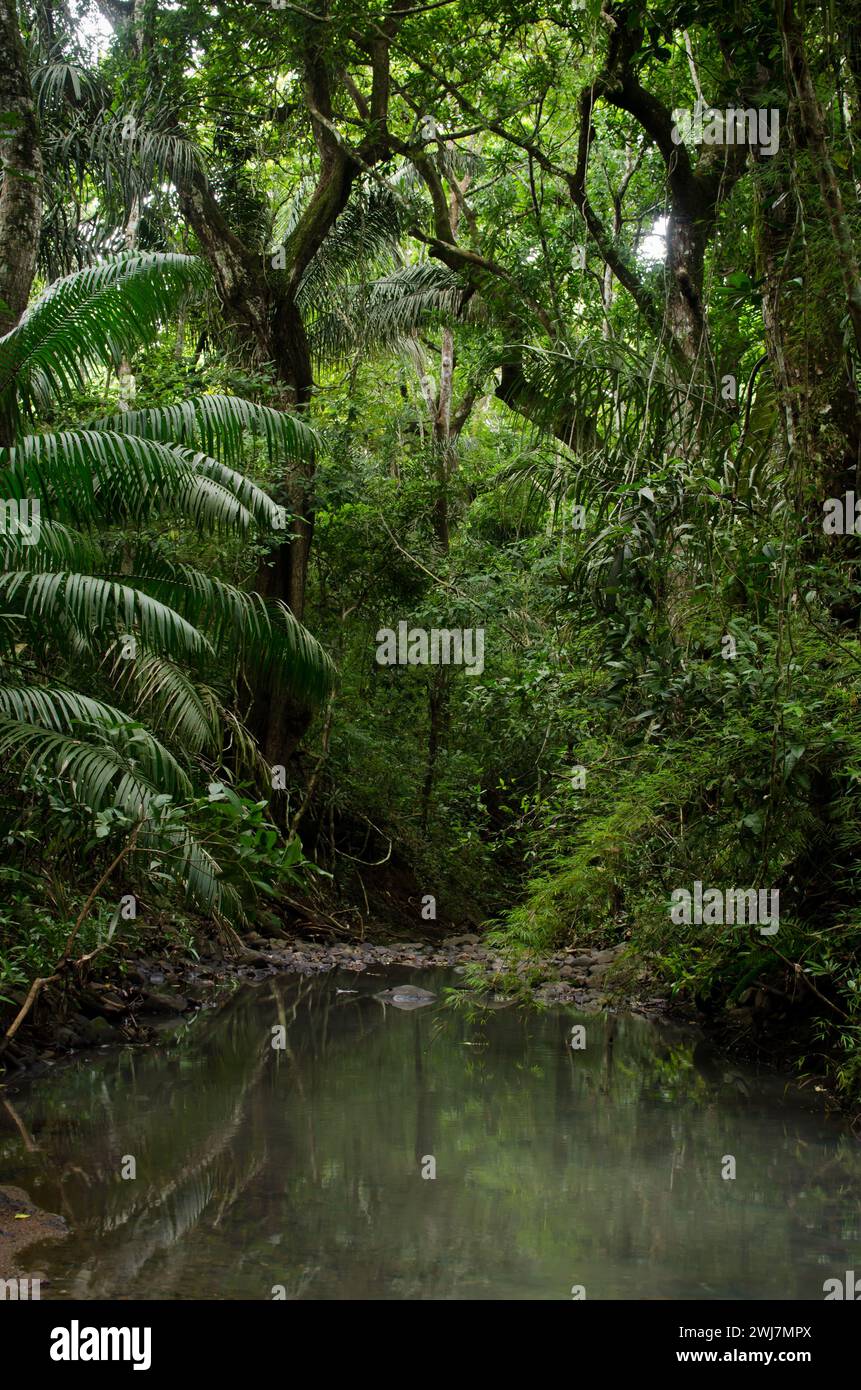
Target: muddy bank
{"type": "Point", "coordinates": [22, 1224]}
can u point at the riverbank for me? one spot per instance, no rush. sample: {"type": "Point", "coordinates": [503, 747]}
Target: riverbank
{"type": "Point", "coordinates": [134, 1000]}
{"type": "Point", "coordinates": [137, 998]}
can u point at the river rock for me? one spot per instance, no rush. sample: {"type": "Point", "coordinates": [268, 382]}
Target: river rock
{"type": "Point", "coordinates": [164, 1003]}
{"type": "Point", "coordinates": [97, 1030]}
{"type": "Point", "coordinates": [406, 997]}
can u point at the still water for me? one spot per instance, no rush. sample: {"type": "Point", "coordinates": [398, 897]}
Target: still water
{"type": "Point", "coordinates": [300, 1169]}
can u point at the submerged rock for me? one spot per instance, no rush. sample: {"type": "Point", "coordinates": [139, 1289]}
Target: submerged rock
{"type": "Point", "coordinates": [406, 997]}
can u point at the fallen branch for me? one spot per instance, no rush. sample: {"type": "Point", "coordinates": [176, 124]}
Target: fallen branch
{"type": "Point", "coordinates": [317, 916]}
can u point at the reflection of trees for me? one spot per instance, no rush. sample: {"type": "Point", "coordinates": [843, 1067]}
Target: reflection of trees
{"type": "Point", "coordinates": [302, 1167]}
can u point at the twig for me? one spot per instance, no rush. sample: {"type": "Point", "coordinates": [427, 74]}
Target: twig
{"type": "Point", "coordinates": [315, 915]}
{"type": "Point", "coordinates": [64, 963]}
{"type": "Point", "coordinates": [800, 973]}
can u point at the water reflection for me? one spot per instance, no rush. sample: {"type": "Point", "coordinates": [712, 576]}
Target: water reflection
{"type": "Point", "coordinates": [301, 1167]}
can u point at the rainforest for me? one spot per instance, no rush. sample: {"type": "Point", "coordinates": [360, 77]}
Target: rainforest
{"type": "Point", "coordinates": [429, 440]}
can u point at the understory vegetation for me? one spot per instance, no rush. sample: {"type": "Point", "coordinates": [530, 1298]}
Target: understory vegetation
{"type": "Point", "coordinates": [324, 319]}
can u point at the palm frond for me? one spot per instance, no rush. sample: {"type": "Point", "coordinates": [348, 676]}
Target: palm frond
{"type": "Point", "coordinates": [127, 150]}
{"type": "Point", "coordinates": [286, 215]}
{"type": "Point", "coordinates": [364, 239]}
{"type": "Point", "coordinates": [120, 766]}
{"type": "Point", "coordinates": [261, 635]}
{"type": "Point", "coordinates": [101, 774]}
{"type": "Point", "coordinates": [100, 609]}
{"type": "Point", "coordinates": [88, 320]}
{"type": "Point", "coordinates": [67, 712]}
{"type": "Point", "coordinates": [51, 546]}
{"type": "Point", "coordinates": [218, 425]}
{"type": "Point", "coordinates": [383, 314]}
{"type": "Point", "coordinates": [95, 476]}
{"type": "Point", "coordinates": [58, 84]}
{"type": "Point", "coordinates": [185, 709]}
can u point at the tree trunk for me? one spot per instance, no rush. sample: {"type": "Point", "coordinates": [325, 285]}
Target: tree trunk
{"type": "Point", "coordinates": [686, 244]}
{"type": "Point", "coordinates": [818, 399]}
{"type": "Point", "coordinates": [21, 192]}
{"type": "Point", "coordinates": [812, 126]}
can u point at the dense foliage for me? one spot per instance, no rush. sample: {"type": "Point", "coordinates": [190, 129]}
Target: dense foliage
{"type": "Point", "coordinates": [451, 287]}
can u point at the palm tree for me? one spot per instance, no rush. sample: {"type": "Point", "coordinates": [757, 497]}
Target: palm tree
{"type": "Point", "coordinates": [163, 638]}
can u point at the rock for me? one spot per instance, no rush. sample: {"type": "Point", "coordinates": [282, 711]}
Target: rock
{"type": "Point", "coordinates": [103, 1000]}
{"type": "Point", "coordinates": [554, 992]}
{"type": "Point", "coordinates": [741, 1017]}
{"type": "Point", "coordinates": [406, 997]}
{"type": "Point", "coordinates": [251, 956]}
{"type": "Point", "coordinates": [468, 939]}
{"type": "Point", "coordinates": [97, 1030]}
{"type": "Point", "coordinates": [607, 956]}
{"type": "Point", "coordinates": [164, 1003]}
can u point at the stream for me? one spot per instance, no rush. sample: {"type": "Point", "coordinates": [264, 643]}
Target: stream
{"type": "Point", "coordinates": [297, 1171]}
